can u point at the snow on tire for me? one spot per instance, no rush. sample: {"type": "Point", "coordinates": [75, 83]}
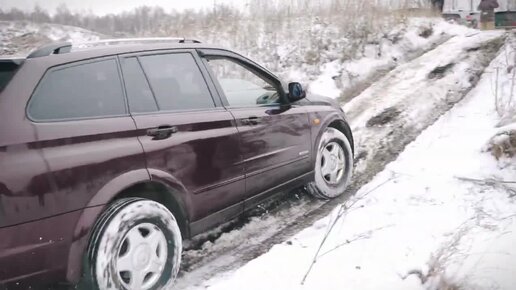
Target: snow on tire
{"type": "Point", "coordinates": [333, 165]}
{"type": "Point", "coordinates": [136, 244]}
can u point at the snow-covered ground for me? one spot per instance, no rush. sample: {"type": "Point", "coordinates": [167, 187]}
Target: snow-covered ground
{"type": "Point", "coordinates": [20, 37]}
{"type": "Point", "coordinates": [428, 220]}
{"type": "Point", "coordinates": [401, 104]}
{"type": "Point", "coordinates": [403, 43]}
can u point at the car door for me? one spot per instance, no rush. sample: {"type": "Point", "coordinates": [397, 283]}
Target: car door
{"type": "Point", "coordinates": [274, 135]}
{"type": "Point", "coordinates": [186, 134]}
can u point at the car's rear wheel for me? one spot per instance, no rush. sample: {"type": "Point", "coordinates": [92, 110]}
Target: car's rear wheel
{"type": "Point", "coordinates": [136, 244]}
{"type": "Point", "coordinates": [333, 165]}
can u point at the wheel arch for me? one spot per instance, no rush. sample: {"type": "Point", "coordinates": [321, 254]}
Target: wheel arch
{"type": "Point", "coordinates": [161, 193]}
{"type": "Point", "coordinates": [150, 184]}
{"type": "Point", "coordinates": [339, 123]}
{"type": "Point", "coordinates": [343, 126]}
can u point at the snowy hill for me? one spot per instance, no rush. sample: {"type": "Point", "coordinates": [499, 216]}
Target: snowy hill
{"type": "Point", "coordinates": [20, 37]}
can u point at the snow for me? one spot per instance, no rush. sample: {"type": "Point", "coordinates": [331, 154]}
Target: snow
{"type": "Point", "coordinates": [428, 217]}
{"type": "Point", "coordinates": [401, 44]}
{"type": "Point", "coordinates": [410, 90]}
{"type": "Point", "coordinates": [325, 84]}
{"type": "Point", "coordinates": [20, 37]}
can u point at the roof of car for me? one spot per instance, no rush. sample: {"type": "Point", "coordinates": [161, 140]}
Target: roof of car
{"type": "Point", "coordinates": [108, 47]}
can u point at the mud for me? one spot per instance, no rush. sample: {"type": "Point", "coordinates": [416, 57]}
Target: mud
{"type": "Point", "coordinates": [440, 71]}
{"type": "Point", "coordinates": [385, 117]}
{"type": "Point", "coordinates": [426, 32]}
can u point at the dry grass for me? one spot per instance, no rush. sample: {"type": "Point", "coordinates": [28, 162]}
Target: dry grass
{"type": "Point", "coordinates": [435, 278]}
{"type": "Point", "coordinates": [505, 99]}
{"type": "Point", "coordinates": [503, 144]}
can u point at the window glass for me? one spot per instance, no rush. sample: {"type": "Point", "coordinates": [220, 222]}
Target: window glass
{"type": "Point", "coordinates": [138, 91]}
{"type": "Point", "coordinates": [177, 82]}
{"type": "Point", "coordinates": [241, 86]}
{"type": "Point", "coordinates": [7, 71]}
{"type": "Point", "coordinates": [81, 91]}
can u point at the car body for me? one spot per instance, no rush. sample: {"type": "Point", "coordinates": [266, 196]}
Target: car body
{"type": "Point", "coordinates": [65, 158]}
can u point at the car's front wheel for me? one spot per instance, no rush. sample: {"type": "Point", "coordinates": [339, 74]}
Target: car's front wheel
{"type": "Point", "coordinates": [136, 244]}
{"type": "Point", "coordinates": [333, 165]}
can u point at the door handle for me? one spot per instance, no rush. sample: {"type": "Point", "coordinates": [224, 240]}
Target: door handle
{"type": "Point", "coordinates": [252, 120]}
{"type": "Point", "coordinates": [162, 132]}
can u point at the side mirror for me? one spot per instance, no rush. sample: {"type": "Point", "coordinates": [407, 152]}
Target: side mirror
{"type": "Point", "coordinates": [295, 92]}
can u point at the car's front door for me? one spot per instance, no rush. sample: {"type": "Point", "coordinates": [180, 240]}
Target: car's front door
{"type": "Point", "coordinates": [186, 134]}
{"type": "Point", "coordinates": [274, 135]}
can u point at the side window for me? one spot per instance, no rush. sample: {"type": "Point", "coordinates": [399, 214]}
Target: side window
{"type": "Point", "coordinates": [241, 86]}
{"type": "Point", "coordinates": [80, 91]}
{"type": "Point", "coordinates": [177, 82]}
{"type": "Point", "coordinates": [139, 94]}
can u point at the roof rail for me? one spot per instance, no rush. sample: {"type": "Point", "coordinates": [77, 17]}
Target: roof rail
{"type": "Point", "coordinates": [49, 49]}
{"type": "Point", "coordinates": [115, 41]}
{"type": "Point", "coordinates": [65, 47]}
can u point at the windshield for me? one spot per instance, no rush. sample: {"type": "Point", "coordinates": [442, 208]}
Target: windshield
{"type": "Point", "coordinates": [7, 71]}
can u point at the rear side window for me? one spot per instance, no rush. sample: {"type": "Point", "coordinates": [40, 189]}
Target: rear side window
{"type": "Point", "coordinates": [177, 82]}
{"type": "Point", "coordinates": [81, 91]}
{"type": "Point", "coordinates": [7, 71]}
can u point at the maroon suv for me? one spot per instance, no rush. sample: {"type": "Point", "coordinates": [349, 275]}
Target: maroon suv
{"type": "Point", "coordinates": [112, 153]}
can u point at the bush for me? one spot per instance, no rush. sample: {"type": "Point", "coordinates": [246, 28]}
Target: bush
{"type": "Point", "coordinates": [503, 144]}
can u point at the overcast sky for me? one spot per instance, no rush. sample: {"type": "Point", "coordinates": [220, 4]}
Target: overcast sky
{"type": "Point", "coordinates": [102, 7]}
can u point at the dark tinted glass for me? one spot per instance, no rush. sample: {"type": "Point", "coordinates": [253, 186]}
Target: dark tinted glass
{"type": "Point", "coordinates": [81, 91]}
{"type": "Point", "coordinates": [177, 82]}
{"type": "Point", "coordinates": [7, 71]}
{"type": "Point", "coordinates": [138, 91]}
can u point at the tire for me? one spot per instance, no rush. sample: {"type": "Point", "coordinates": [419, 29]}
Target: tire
{"type": "Point", "coordinates": [328, 185]}
{"type": "Point", "coordinates": [136, 244]}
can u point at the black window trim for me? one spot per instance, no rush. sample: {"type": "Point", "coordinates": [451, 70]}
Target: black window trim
{"type": "Point", "coordinates": [122, 58]}
{"type": "Point", "coordinates": [261, 72]}
{"type": "Point", "coordinates": [73, 64]}
{"type": "Point", "coordinates": [218, 106]}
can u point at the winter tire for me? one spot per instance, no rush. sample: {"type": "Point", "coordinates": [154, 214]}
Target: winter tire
{"type": "Point", "coordinates": [333, 165]}
{"type": "Point", "coordinates": [136, 245]}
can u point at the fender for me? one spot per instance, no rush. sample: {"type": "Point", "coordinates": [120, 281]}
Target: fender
{"type": "Point", "coordinates": [103, 197]}
{"type": "Point", "coordinates": [90, 214]}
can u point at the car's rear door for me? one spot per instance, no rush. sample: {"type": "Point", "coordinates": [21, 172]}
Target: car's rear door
{"type": "Point", "coordinates": [189, 138]}
{"type": "Point", "coordinates": [274, 135]}
{"type": "Point", "coordinates": [57, 151]}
